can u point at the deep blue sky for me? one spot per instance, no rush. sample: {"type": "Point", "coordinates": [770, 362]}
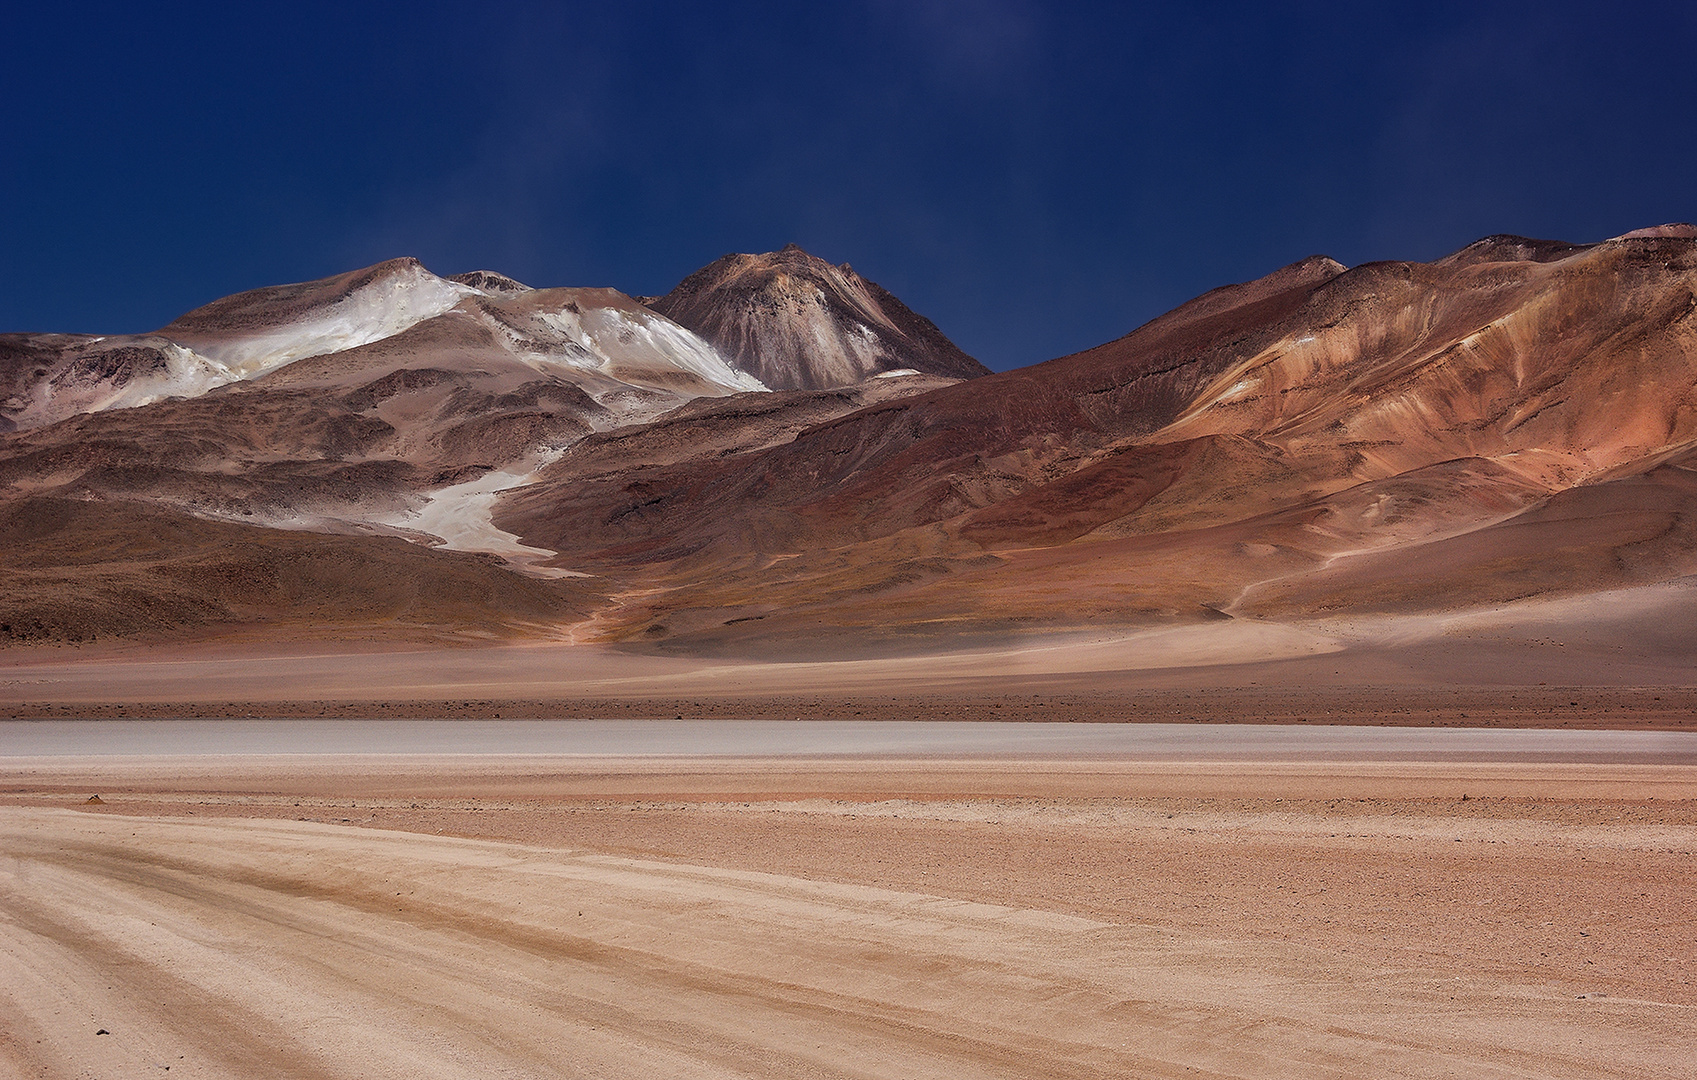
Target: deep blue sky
{"type": "Point", "coordinates": [1037, 178]}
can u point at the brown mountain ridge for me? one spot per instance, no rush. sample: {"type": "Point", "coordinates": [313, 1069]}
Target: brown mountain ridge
{"type": "Point", "coordinates": [1515, 421]}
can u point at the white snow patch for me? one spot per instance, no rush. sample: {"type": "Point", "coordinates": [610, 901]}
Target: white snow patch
{"type": "Point", "coordinates": [379, 310]}
{"type": "Point", "coordinates": [621, 339]}
{"type": "Point", "coordinates": [896, 373]}
{"type": "Point", "coordinates": [187, 374]}
{"type": "Point", "coordinates": [382, 309]}
{"type": "Point", "coordinates": [461, 516]}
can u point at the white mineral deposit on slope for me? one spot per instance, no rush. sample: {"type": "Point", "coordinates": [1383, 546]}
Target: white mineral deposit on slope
{"type": "Point", "coordinates": [624, 340]}
{"type": "Point", "coordinates": [461, 516]}
{"type": "Point", "coordinates": [187, 374]}
{"type": "Point", "coordinates": [381, 309]}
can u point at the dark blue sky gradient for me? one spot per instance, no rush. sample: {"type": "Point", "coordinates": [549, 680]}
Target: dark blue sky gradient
{"type": "Point", "coordinates": [1036, 178]}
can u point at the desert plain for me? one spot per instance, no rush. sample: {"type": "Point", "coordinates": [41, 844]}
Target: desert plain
{"type": "Point", "coordinates": [870, 867]}
{"type": "Point", "coordinates": [420, 676]}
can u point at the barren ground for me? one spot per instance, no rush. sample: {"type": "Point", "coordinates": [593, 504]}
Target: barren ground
{"type": "Point", "coordinates": [361, 916]}
{"type": "Point", "coordinates": [867, 916]}
{"type": "Point", "coordinates": [1622, 660]}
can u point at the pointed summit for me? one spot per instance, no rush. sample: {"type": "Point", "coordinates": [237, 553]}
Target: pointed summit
{"type": "Point", "coordinates": [795, 322]}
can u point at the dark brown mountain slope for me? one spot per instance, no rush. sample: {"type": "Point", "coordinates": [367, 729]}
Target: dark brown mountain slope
{"type": "Point", "coordinates": [795, 322]}
{"type": "Point", "coordinates": [75, 570]}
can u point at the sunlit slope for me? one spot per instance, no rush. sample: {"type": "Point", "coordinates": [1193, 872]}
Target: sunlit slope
{"type": "Point", "coordinates": [799, 323]}
{"type": "Point", "coordinates": [1234, 457]}
{"type": "Point", "coordinates": [386, 403]}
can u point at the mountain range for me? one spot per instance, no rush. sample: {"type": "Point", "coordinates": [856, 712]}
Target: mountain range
{"type": "Point", "coordinates": [779, 454]}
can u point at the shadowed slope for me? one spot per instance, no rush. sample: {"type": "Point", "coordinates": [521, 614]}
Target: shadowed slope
{"type": "Point", "coordinates": [82, 571]}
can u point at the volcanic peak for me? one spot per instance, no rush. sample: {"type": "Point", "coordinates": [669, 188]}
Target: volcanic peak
{"type": "Point", "coordinates": [794, 321]}
{"type": "Point", "coordinates": [256, 331]}
{"type": "Point", "coordinates": [273, 304]}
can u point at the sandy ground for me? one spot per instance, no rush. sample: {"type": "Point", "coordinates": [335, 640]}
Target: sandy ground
{"type": "Point", "coordinates": [38, 743]}
{"type": "Point", "coordinates": [551, 916]}
{"type": "Point", "coordinates": [1085, 912]}
{"type": "Point", "coordinates": [1553, 664]}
